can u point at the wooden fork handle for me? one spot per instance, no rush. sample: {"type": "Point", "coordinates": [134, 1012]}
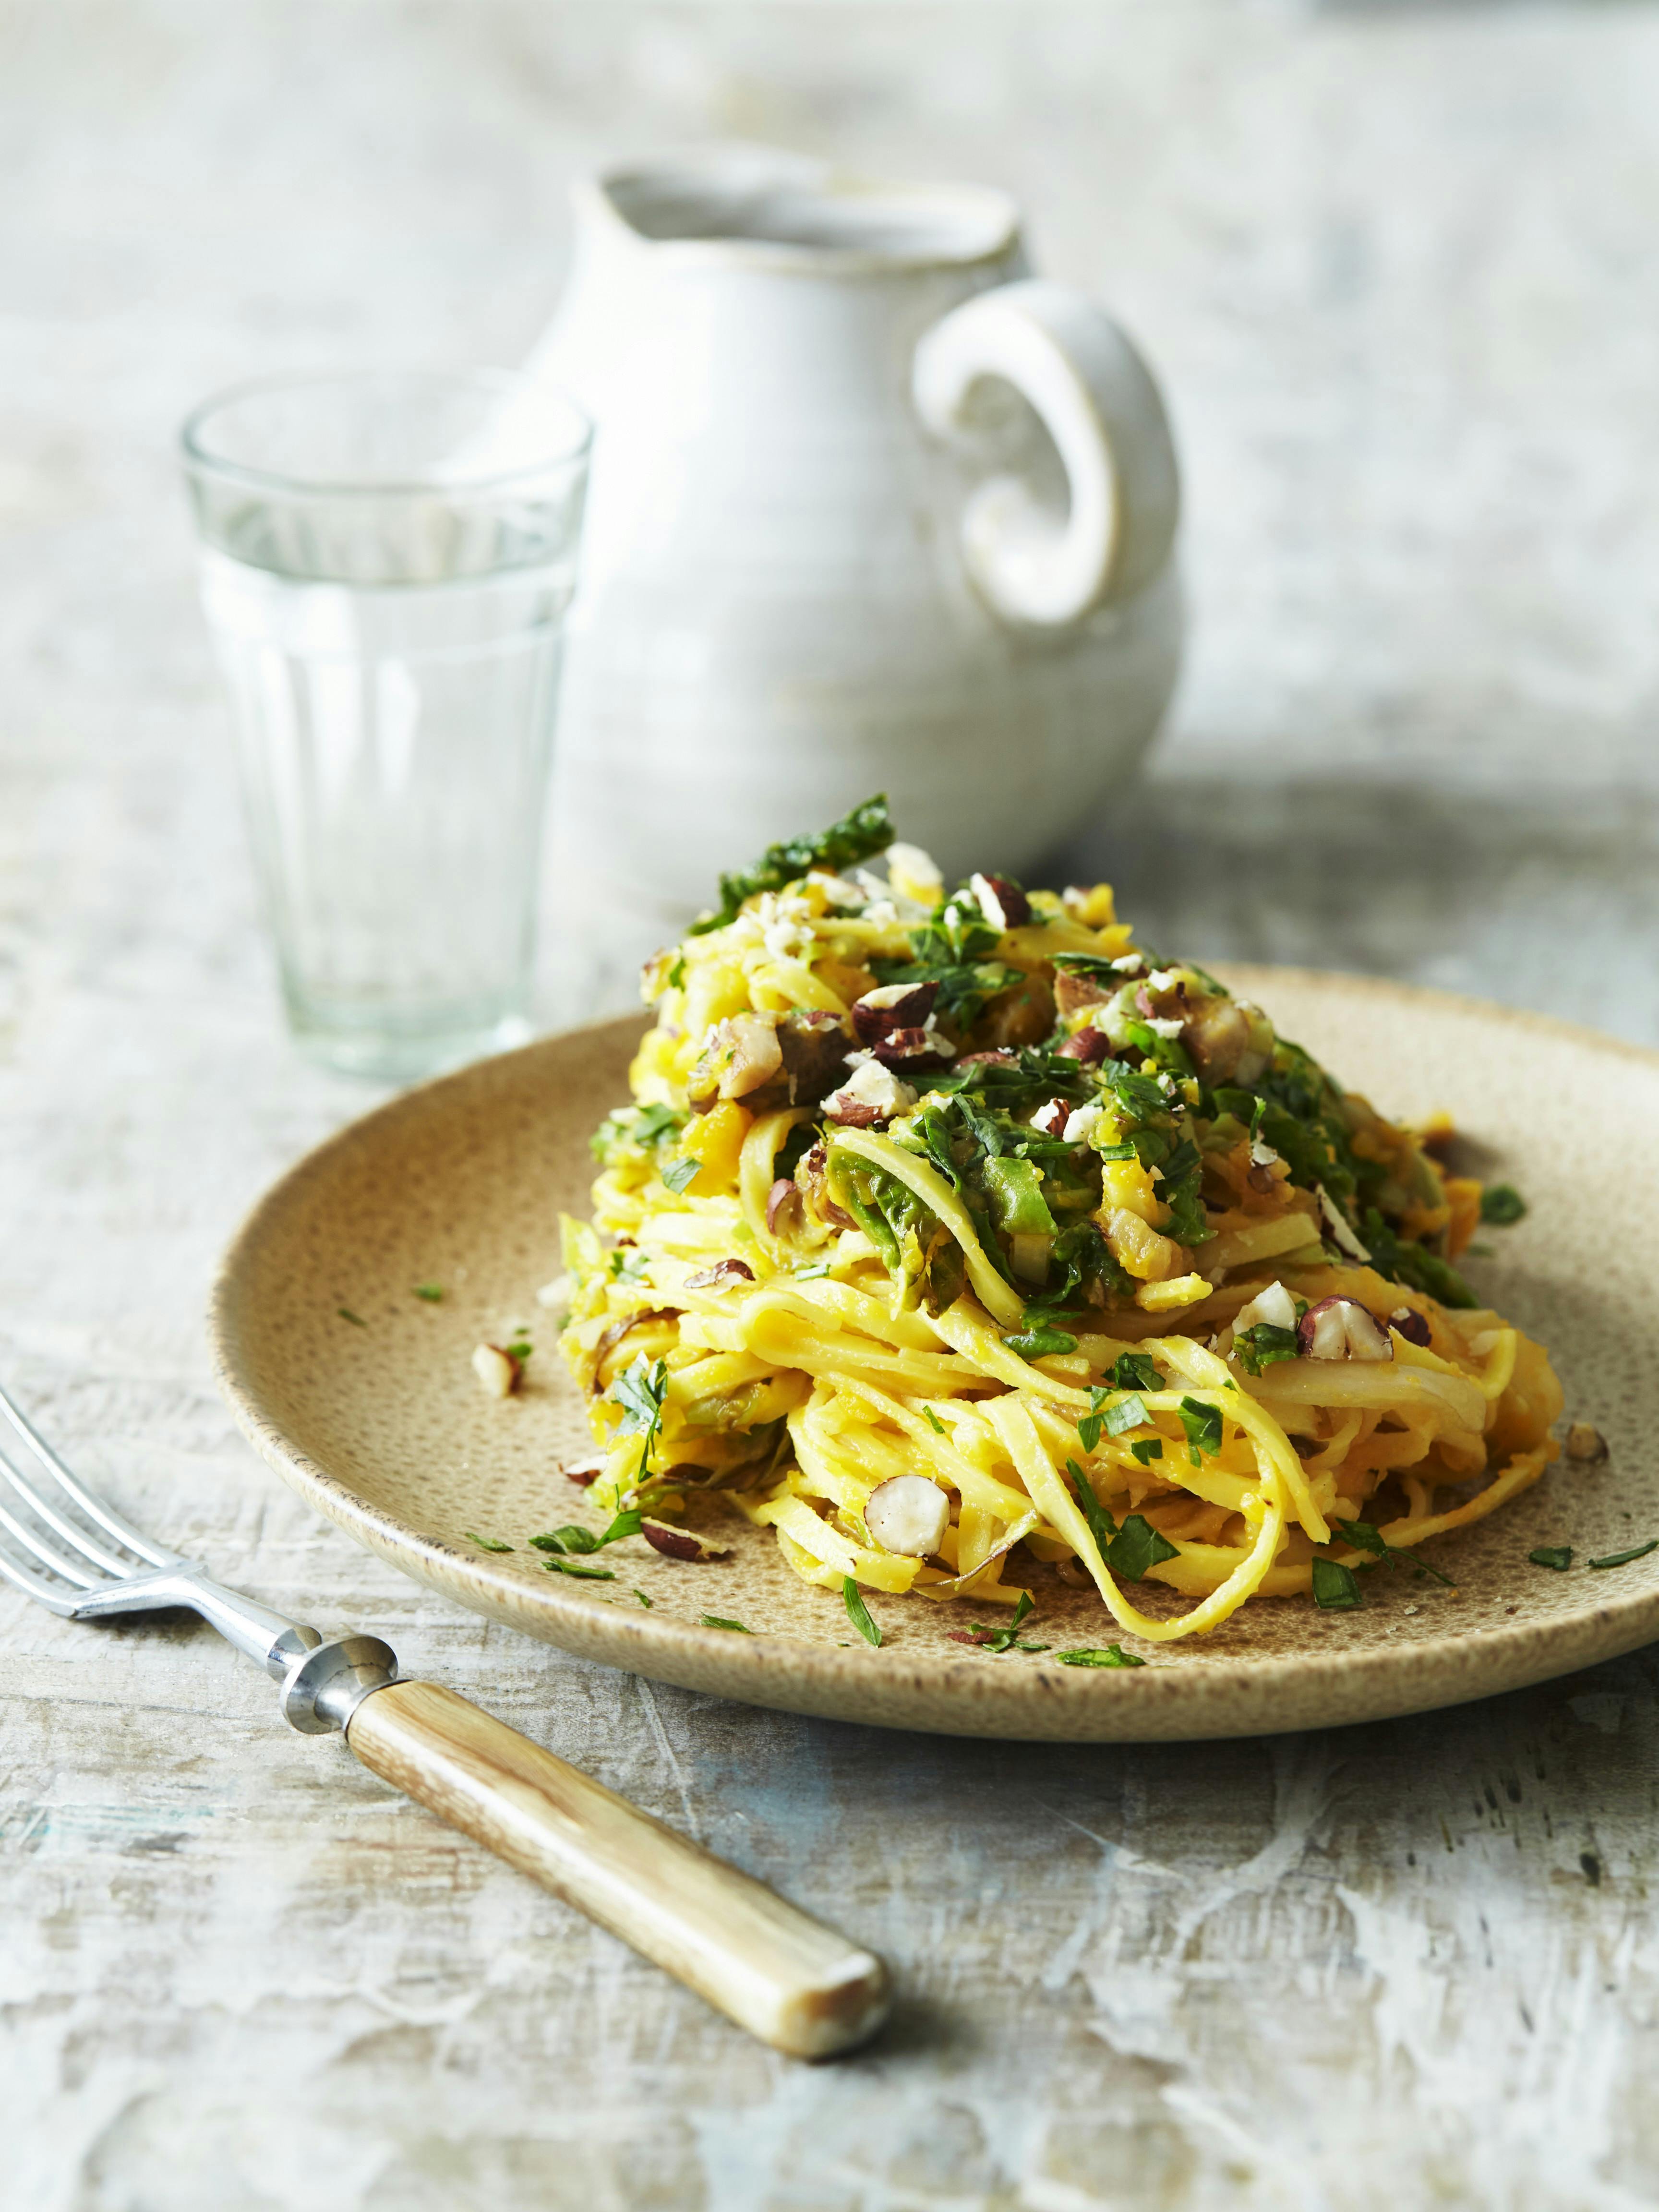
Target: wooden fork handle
{"type": "Point", "coordinates": [786, 1978]}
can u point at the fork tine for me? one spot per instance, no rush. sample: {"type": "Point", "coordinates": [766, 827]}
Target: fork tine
{"type": "Point", "coordinates": [93, 1508]}
{"type": "Point", "coordinates": [79, 1539]}
{"type": "Point", "coordinates": [50, 1595]}
{"type": "Point", "coordinates": [71, 1570]}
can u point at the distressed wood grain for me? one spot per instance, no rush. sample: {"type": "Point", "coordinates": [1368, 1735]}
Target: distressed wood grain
{"type": "Point", "coordinates": [1399, 267]}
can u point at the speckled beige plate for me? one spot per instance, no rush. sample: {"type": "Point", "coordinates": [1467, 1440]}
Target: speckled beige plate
{"type": "Point", "coordinates": [461, 1183]}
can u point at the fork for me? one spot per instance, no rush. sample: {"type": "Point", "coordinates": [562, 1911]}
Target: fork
{"type": "Point", "coordinates": [766, 1964]}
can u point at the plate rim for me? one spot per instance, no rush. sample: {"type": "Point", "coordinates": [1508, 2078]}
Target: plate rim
{"type": "Point", "coordinates": [1042, 1699]}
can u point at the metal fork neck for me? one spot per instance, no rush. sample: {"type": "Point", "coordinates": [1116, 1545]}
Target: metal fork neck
{"type": "Point", "coordinates": [323, 1682]}
{"type": "Point", "coordinates": [270, 1637]}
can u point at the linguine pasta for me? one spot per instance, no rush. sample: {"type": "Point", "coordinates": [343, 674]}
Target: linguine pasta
{"type": "Point", "coordinates": [949, 1232]}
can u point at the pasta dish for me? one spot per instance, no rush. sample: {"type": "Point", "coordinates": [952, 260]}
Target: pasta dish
{"type": "Point", "coordinates": [951, 1229]}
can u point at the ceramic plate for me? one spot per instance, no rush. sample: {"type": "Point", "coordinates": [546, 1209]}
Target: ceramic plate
{"type": "Point", "coordinates": [380, 1423]}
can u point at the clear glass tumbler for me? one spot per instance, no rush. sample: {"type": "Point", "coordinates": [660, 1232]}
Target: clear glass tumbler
{"type": "Point", "coordinates": [386, 562]}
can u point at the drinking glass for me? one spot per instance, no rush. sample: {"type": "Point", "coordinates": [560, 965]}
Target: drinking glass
{"type": "Point", "coordinates": [386, 562]}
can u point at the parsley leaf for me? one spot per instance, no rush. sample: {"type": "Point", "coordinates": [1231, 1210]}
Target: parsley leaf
{"type": "Point", "coordinates": [1036, 1343]}
{"type": "Point", "coordinates": [714, 1620]}
{"type": "Point", "coordinates": [1113, 1656]}
{"type": "Point", "coordinates": [680, 1174]}
{"type": "Point", "coordinates": [1502, 1204]}
{"type": "Point", "coordinates": [1128, 1414]}
{"type": "Point", "coordinates": [859, 836]}
{"type": "Point", "coordinates": [573, 1538]}
{"type": "Point", "coordinates": [1559, 1556]}
{"type": "Point", "coordinates": [1202, 1422]}
{"type": "Point", "coordinates": [640, 1393]}
{"type": "Point", "coordinates": [1148, 1449]}
{"type": "Point", "coordinates": [432, 1293]}
{"type": "Point", "coordinates": [1334, 1587]}
{"type": "Point", "coordinates": [1137, 1547]}
{"type": "Point", "coordinates": [1135, 1371]}
{"type": "Point", "coordinates": [648, 1603]}
{"type": "Point", "coordinates": [1102, 1527]}
{"type": "Point", "coordinates": [1259, 1346]}
{"type": "Point", "coordinates": [857, 1612]}
{"type": "Point", "coordinates": [1365, 1537]}
{"type": "Point", "coordinates": [1414, 1265]}
{"type": "Point", "coordinates": [346, 1314]}
{"type": "Point", "coordinates": [640, 1128]}
{"type": "Point", "coordinates": [933, 1421]}
{"type": "Point", "coordinates": [1008, 1638]}
{"type": "Point", "coordinates": [1088, 1429]}
{"type": "Point", "coordinates": [575, 1567]}
{"type": "Point", "coordinates": [486, 1543]}
{"type": "Point", "coordinates": [1624, 1559]}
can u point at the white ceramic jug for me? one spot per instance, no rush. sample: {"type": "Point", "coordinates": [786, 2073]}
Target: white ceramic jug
{"type": "Point", "coordinates": [827, 550]}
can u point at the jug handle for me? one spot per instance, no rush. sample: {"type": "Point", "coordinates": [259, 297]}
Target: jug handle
{"type": "Point", "coordinates": [1098, 401]}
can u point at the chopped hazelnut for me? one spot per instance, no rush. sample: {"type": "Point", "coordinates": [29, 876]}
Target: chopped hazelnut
{"type": "Point", "coordinates": [497, 1369]}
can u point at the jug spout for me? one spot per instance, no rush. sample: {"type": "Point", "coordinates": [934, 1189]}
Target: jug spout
{"type": "Point", "coordinates": [647, 235]}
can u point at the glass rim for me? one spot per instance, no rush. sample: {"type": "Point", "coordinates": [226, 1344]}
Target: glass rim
{"type": "Point", "coordinates": [198, 457]}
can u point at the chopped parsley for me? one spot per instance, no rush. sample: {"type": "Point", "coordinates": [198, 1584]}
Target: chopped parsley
{"type": "Point", "coordinates": [573, 1538]}
{"type": "Point", "coordinates": [1148, 1449]}
{"type": "Point", "coordinates": [858, 1612]}
{"type": "Point", "coordinates": [1128, 1414]}
{"type": "Point", "coordinates": [647, 1602]}
{"type": "Point", "coordinates": [1130, 1551]}
{"type": "Point", "coordinates": [1088, 1429]}
{"type": "Point", "coordinates": [676, 978]}
{"type": "Point", "coordinates": [486, 1543]}
{"type": "Point", "coordinates": [432, 1293]}
{"type": "Point", "coordinates": [640, 1393]}
{"type": "Point", "coordinates": [715, 1620]}
{"type": "Point", "coordinates": [1624, 1559]}
{"type": "Point", "coordinates": [857, 836]}
{"type": "Point", "coordinates": [965, 987]}
{"type": "Point", "coordinates": [1559, 1556]}
{"type": "Point", "coordinates": [1414, 1265]}
{"type": "Point", "coordinates": [933, 1421]}
{"type": "Point", "coordinates": [635, 1128]}
{"type": "Point", "coordinates": [680, 1174]}
{"type": "Point", "coordinates": [1202, 1422]}
{"type": "Point", "coordinates": [520, 1349]}
{"type": "Point", "coordinates": [1135, 1371]}
{"type": "Point", "coordinates": [1335, 1588]}
{"type": "Point", "coordinates": [576, 1567]}
{"type": "Point", "coordinates": [1113, 1656]}
{"type": "Point", "coordinates": [1102, 1527]}
{"type": "Point", "coordinates": [1137, 1548]}
{"type": "Point", "coordinates": [1038, 1343]}
{"type": "Point", "coordinates": [1502, 1204]}
{"type": "Point", "coordinates": [346, 1314]}
{"type": "Point", "coordinates": [1005, 1639]}
{"type": "Point", "coordinates": [1365, 1536]}
{"type": "Point", "coordinates": [1259, 1346]}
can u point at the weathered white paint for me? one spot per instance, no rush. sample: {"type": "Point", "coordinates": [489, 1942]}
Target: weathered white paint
{"type": "Point", "coordinates": [1400, 270]}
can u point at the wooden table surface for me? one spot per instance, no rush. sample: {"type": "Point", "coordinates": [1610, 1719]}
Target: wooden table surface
{"type": "Point", "coordinates": [1399, 267]}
